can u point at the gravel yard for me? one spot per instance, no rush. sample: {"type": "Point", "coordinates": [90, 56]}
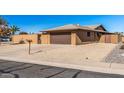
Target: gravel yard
{"type": "Point", "coordinates": [116, 56]}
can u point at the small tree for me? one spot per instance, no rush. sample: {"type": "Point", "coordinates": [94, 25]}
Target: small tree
{"type": "Point", "coordinates": [3, 21]}
{"type": "Point", "coordinates": [4, 29]}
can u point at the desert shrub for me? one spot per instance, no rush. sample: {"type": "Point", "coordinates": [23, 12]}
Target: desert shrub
{"type": "Point", "coordinates": [122, 47]}
{"type": "Point", "coordinates": [21, 42]}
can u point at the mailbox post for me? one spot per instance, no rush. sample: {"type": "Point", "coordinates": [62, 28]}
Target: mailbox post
{"type": "Point", "coordinates": [29, 48]}
{"type": "Point", "coordinates": [0, 41]}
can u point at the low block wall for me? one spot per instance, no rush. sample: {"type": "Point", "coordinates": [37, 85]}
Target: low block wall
{"type": "Point", "coordinates": [112, 38]}
{"type": "Point", "coordinates": [45, 38]}
{"type": "Point", "coordinates": [18, 38]}
{"type": "Point", "coordinates": [122, 39]}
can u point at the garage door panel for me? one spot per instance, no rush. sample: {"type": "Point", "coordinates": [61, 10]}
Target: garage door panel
{"type": "Point", "coordinates": [60, 38]}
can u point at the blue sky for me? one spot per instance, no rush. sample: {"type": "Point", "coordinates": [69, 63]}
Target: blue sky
{"type": "Point", "coordinates": [36, 23]}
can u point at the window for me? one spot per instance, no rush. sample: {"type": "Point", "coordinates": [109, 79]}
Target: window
{"type": "Point", "coordinates": [97, 34]}
{"type": "Point", "coordinates": [88, 34]}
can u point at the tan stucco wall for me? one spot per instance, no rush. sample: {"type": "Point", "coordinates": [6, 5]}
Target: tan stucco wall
{"type": "Point", "coordinates": [114, 38]}
{"type": "Point", "coordinates": [102, 39]}
{"type": "Point", "coordinates": [81, 36]}
{"type": "Point", "coordinates": [45, 38]}
{"type": "Point", "coordinates": [84, 38]}
{"type": "Point", "coordinates": [73, 38]}
{"type": "Point", "coordinates": [122, 38]}
{"type": "Point", "coordinates": [78, 40]}
{"type": "Point", "coordinates": [77, 37]}
{"type": "Point", "coordinates": [18, 38]}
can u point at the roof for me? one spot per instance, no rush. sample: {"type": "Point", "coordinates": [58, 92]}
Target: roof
{"type": "Point", "coordinates": [93, 26]}
{"type": "Point", "coordinates": [65, 27]}
{"type": "Point", "coordinates": [96, 26]}
{"type": "Point", "coordinates": [76, 27]}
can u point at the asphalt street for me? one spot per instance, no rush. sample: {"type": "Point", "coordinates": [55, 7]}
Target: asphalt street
{"type": "Point", "coordinates": [10, 69]}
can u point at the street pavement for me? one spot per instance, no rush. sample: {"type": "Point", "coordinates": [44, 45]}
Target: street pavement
{"type": "Point", "coordinates": [10, 69]}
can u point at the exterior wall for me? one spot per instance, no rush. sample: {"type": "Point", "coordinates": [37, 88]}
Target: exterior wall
{"type": "Point", "coordinates": [39, 38]}
{"type": "Point", "coordinates": [18, 38]}
{"type": "Point", "coordinates": [102, 39]}
{"type": "Point", "coordinates": [45, 38]}
{"type": "Point", "coordinates": [84, 38]}
{"type": "Point", "coordinates": [97, 36]}
{"type": "Point", "coordinates": [78, 40]}
{"type": "Point", "coordinates": [73, 38]}
{"type": "Point", "coordinates": [122, 39]}
{"type": "Point", "coordinates": [77, 37]}
{"type": "Point", "coordinates": [82, 35]}
{"type": "Point", "coordinates": [113, 38]}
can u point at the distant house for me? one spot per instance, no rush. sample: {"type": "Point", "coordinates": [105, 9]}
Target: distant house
{"type": "Point", "coordinates": [76, 34]}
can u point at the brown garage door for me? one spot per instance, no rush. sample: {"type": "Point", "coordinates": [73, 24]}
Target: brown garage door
{"type": "Point", "coordinates": [60, 38]}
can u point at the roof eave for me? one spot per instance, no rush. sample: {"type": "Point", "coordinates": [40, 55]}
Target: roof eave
{"type": "Point", "coordinates": [60, 30]}
{"type": "Point", "coordinates": [75, 29]}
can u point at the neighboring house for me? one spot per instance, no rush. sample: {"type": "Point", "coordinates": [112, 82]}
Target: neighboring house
{"type": "Point", "coordinates": [76, 34]}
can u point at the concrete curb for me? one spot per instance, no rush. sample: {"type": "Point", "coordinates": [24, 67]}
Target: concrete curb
{"type": "Point", "coordinates": [113, 70]}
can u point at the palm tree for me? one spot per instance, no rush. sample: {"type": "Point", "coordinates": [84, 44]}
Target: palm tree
{"type": "Point", "coordinates": [14, 29]}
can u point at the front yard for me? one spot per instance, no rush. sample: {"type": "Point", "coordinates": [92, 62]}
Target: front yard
{"type": "Point", "coordinates": [117, 55]}
{"type": "Point", "coordinates": [94, 52]}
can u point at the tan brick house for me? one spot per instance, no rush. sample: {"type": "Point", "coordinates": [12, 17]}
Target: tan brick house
{"type": "Point", "coordinates": [70, 34]}
{"type": "Point", "coordinates": [76, 34]}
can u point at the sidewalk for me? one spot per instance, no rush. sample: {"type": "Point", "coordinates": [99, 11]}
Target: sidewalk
{"type": "Point", "coordinates": [20, 54]}
{"type": "Point", "coordinates": [95, 66]}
